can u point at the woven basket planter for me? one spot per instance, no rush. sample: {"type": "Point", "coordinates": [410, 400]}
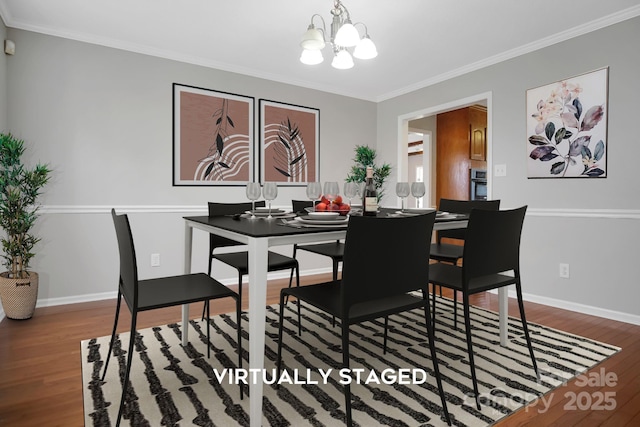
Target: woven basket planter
{"type": "Point", "coordinates": [19, 296]}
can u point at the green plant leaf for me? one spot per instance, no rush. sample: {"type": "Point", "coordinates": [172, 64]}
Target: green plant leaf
{"type": "Point", "coordinates": [549, 130]}
{"type": "Point", "coordinates": [557, 168]}
{"type": "Point", "coordinates": [599, 151]}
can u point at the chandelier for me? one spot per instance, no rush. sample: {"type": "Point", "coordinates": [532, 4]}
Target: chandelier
{"type": "Point", "coordinates": [343, 36]}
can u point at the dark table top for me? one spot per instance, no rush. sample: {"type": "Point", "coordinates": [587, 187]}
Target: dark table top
{"type": "Point", "coordinates": [274, 227]}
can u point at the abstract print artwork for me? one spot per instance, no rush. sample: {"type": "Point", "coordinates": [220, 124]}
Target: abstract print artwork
{"type": "Point", "coordinates": [289, 143]}
{"type": "Point", "coordinates": [213, 137]}
{"type": "Point", "coordinates": [567, 127]}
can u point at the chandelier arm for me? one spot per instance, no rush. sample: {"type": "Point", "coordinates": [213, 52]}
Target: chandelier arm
{"type": "Point", "coordinates": [324, 27]}
{"type": "Point", "coordinates": [366, 30]}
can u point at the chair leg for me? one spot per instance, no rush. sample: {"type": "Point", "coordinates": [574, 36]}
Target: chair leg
{"type": "Point", "coordinates": [113, 334]}
{"type": "Point", "coordinates": [208, 331]}
{"type": "Point", "coordinates": [384, 341]}
{"type": "Point", "coordinates": [298, 301]}
{"type": "Point", "coordinates": [526, 329]}
{"type": "Point", "coordinates": [433, 314]}
{"type": "Point", "coordinates": [206, 303]}
{"type": "Point", "coordinates": [295, 250]}
{"type": "Point", "coordinates": [238, 321]}
{"type": "Point", "coordinates": [280, 326]}
{"type": "Point", "coordinates": [240, 288]}
{"type": "Point", "coordinates": [335, 277]}
{"type": "Point", "coordinates": [455, 309]}
{"type": "Point", "coordinates": [434, 357]}
{"type": "Point", "coordinates": [125, 383]}
{"type": "Point", "coordinates": [467, 324]}
{"type": "Point", "coordinates": [345, 364]}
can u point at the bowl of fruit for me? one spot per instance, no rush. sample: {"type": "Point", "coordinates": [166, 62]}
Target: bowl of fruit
{"type": "Point", "coordinates": [326, 205]}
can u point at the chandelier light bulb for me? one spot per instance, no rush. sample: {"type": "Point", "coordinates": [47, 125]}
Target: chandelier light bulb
{"type": "Point", "coordinates": [342, 60]}
{"type": "Point", "coordinates": [366, 49]}
{"type": "Point", "coordinates": [313, 39]}
{"type": "Point", "coordinates": [347, 35]}
{"type": "Point", "coordinates": [311, 56]}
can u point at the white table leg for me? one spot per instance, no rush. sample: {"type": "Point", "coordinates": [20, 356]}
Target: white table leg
{"type": "Point", "coordinates": [188, 241]}
{"type": "Point", "coordinates": [503, 308]}
{"type": "Point", "coordinates": [258, 249]}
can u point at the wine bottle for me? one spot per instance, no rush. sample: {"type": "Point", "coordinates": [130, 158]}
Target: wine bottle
{"type": "Point", "coordinates": [370, 195]}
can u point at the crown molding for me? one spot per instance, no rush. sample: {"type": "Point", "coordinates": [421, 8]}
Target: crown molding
{"type": "Point", "coordinates": [570, 33]}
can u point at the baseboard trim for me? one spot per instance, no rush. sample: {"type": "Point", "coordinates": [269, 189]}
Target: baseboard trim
{"type": "Point", "coordinates": [580, 308]}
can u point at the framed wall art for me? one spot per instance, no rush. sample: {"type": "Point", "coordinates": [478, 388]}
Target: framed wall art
{"type": "Point", "coordinates": [567, 127]}
{"type": "Point", "coordinates": [213, 137]}
{"type": "Point", "coordinates": [289, 143]}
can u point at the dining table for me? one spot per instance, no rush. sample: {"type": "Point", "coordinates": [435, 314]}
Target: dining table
{"type": "Point", "coordinates": [259, 234]}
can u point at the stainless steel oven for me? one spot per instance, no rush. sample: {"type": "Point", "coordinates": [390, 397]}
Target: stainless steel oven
{"type": "Point", "coordinates": [478, 184]}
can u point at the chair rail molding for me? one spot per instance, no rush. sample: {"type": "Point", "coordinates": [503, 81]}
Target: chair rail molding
{"type": "Point", "coordinates": [202, 209]}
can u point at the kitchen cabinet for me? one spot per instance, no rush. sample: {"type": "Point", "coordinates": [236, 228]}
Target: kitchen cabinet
{"type": "Point", "coordinates": [477, 133]}
{"type": "Point", "coordinates": [460, 146]}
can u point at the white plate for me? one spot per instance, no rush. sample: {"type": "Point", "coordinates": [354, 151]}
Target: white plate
{"type": "Point", "coordinates": [419, 210]}
{"type": "Point", "coordinates": [440, 213]}
{"type": "Point", "coordinates": [400, 213]}
{"type": "Point", "coordinates": [261, 213]}
{"type": "Point", "coordinates": [323, 215]}
{"type": "Point", "coordinates": [325, 222]}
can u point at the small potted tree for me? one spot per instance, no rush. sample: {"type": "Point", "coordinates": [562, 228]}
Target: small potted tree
{"type": "Point", "coordinates": [366, 156]}
{"type": "Point", "coordinates": [20, 187]}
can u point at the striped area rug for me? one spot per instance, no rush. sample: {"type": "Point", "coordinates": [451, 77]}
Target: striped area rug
{"type": "Point", "coordinates": [173, 385]}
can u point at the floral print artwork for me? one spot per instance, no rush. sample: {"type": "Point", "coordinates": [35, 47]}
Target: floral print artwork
{"type": "Point", "coordinates": [567, 127]}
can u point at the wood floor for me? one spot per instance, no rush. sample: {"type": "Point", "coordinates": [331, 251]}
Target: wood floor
{"type": "Point", "coordinates": [41, 384]}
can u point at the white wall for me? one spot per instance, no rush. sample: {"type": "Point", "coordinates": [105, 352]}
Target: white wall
{"type": "Point", "coordinates": [592, 224]}
{"type": "Point", "coordinates": [3, 79]}
{"type": "Point", "coordinates": [102, 118]}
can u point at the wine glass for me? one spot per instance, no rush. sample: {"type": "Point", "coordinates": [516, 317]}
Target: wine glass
{"type": "Point", "coordinates": [314, 192]}
{"type": "Point", "coordinates": [350, 190]}
{"type": "Point", "coordinates": [270, 192]}
{"type": "Point", "coordinates": [331, 190]}
{"type": "Point", "coordinates": [417, 190]}
{"type": "Point", "coordinates": [253, 194]}
{"type": "Point", "coordinates": [402, 190]}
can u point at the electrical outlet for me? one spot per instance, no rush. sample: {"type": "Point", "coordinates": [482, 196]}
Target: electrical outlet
{"type": "Point", "coordinates": [155, 260]}
{"type": "Point", "coordinates": [500, 170]}
{"type": "Point", "coordinates": [564, 271]}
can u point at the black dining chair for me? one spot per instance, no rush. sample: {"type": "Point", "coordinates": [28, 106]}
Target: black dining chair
{"type": "Point", "coordinates": [448, 252]}
{"type": "Point", "coordinates": [333, 250]}
{"type": "Point", "coordinates": [240, 260]}
{"type": "Point", "coordinates": [150, 294]}
{"type": "Point", "coordinates": [452, 252]}
{"type": "Point", "coordinates": [383, 265]}
{"type": "Point", "coordinates": [491, 260]}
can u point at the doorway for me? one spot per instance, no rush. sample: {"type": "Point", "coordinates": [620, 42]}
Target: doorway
{"type": "Point", "coordinates": [426, 118]}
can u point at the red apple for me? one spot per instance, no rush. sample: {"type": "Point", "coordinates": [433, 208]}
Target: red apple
{"type": "Point", "coordinates": [333, 207]}
{"type": "Point", "coordinates": [338, 200]}
{"type": "Point", "coordinates": [325, 201]}
{"type": "Point", "coordinates": [321, 207]}
{"type": "Point", "coordinates": [344, 209]}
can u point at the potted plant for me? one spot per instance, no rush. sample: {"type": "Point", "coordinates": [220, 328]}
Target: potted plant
{"type": "Point", "coordinates": [366, 156]}
{"type": "Point", "coordinates": [20, 187]}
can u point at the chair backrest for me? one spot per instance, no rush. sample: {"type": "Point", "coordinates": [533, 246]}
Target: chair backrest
{"type": "Point", "coordinates": [299, 205]}
{"type": "Point", "coordinates": [464, 207]}
{"type": "Point", "coordinates": [492, 244]}
{"type": "Point", "coordinates": [128, 267]}
{"type": "Point", "coordinates": [385, 257]}
{"type": "Point", "coordinates": [222, 209]}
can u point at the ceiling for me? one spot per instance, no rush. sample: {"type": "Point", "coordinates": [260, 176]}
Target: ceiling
{"type": "Point", "coordinates": [420, 42]}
